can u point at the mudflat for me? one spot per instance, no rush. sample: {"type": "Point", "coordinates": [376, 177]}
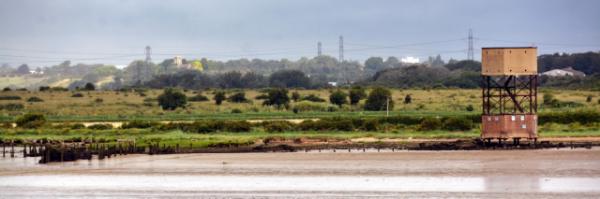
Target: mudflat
{"type": "Point", "coordinates": [325, 174]}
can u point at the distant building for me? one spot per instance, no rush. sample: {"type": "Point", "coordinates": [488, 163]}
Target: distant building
{"type": "Point", "coordinates": [334, 84]}
{"type": "Point", "coordinates": [568, 71]}
{"type": "Point", "coordinates": [178, 60]}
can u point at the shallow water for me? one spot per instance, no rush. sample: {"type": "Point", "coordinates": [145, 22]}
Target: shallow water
{"type": "Point", "coordinates": [414, 174]}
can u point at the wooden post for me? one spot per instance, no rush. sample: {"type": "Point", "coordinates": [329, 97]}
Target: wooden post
{"type": "Point", "coordinates": [3, 149]}
{"type": "Point", "coordinates": [12, 149]}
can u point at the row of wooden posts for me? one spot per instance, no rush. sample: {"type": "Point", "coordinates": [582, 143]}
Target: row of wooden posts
{"type": "Point", "coordinates": [61, 152]}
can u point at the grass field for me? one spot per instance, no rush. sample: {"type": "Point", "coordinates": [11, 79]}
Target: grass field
{"type": "Point", "coordinates": [122, 106]}
{"type": "Point", "coordinates": [106, 106]}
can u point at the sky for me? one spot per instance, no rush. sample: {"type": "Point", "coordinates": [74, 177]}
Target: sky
{"type": "Point", "coordinates": [44, 33]}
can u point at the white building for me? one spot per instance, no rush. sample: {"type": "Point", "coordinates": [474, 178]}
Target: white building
{"type": "Point", "coordinates": [568, 71]}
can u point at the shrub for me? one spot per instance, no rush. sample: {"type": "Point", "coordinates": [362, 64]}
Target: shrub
{"type": "Point", "coordinates": [138, 124]}
{"type": "Point", "coordinates": [407, 99]}
{"type": "Point", "coordinates": [470, 108]}
{"type": "Point", "coordinates": [239, 97]}
{"type": "Point", "coordinates": [310, 107]}
{"type": "Point", "coordinates": [295, 96]}
{"type": "Point", "coordinates": [400, 119]}
{"type": "Point", "coordinates": [171, 99]}
{"type": "Point", "coordinates": [7, 125]}
{"type": "Point", "coordinates": [198, 98]}
{"type": "Point", "coordinates": [238, 126]}
{"type": "Point", "coordinates": [430, 123]}
{"type": "Point", "coordinates": [312, 98]}
{"type": "Point", "coordinates": [236, 110]}
{"type": "Point", "coordinates": [99, 100]}
{"type": "Point", "coordinates": [370, 125]}
{"type": "Point", "coordinates": [589, 98]}
{"type": "Point", "coordinates": [338, 98]}
{"type": "Point", "coordinates": [89, 87]}
{"type": "Point", "coordinates": [583, 117]}
{"type": "Point", "coordinates": [6, 89]}
{"type": "Point", "coordinates": [219, 97]}
{"type": "Point", "coordinates": [77, 95]}
{"type": "Point", "coordinates": [277, 126]}
{"type": "Point", "coordinates": [35, 99]}
{"type": "Point", "coordinates": [378, 100]}
{"type": "Point", "coordinates": [10, 97]}
{"type": "Point", "coordinates": [356, 94]}
{"type": "Point", "coordinates": [100, 126]}
{"type": "Point", "coordinates": [31, 120]}
{"type": "Point", "coordinates": [11, 107]}
{"type": "Point", "coordinates": [77, 126]}
{"type": "Point", "coordinates": [277, 97]}
{"type": "Point", "coordinates": [44, 88]}
{"type": "Point", "coordinates": [457, 124]}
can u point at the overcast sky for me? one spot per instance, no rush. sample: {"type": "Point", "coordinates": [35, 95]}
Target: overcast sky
{"type": "Point", "coordinates": [116, 31]}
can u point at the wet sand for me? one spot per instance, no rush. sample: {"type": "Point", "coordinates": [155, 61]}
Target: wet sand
{"type": "Point", "coordinates": [418, 174]}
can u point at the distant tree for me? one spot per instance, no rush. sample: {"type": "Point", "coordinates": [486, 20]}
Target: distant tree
{"type": "Point", "coordinates": [219, 97]}
{"type": "Point", "coordinates": [254, 80]}
{"type": "Point", "coordinates": [312, 98]}
{"type": "Point", "coordinates": [232, 79]}
{"type": "Point", "coordinates": [289, 79]}
{"type": "Point", "coordinates": [338, 97]}
{"type": "Point", "coordinates": [356, 94]}
{"type": "Point", "coordinates": [378, 100]}
{"type": "Point", "coordinates": [23, 70]}
{"type": "Point", "coordinates": [89, 87]}
{"type": "Point", "coordinates": [465, 65]}
{"type": "Point", "coordinates": [171, 99]}
{"type": "Point", "coordinates": [407, 99]}
{"type": "Point", "coordinates": [374, 64]}
{"type": "Point", "coordinates": [295, 96]}
{"type": "Point", "coordinates": [277, 97]}
{"type": "Point", "coordinates": [391, 62]}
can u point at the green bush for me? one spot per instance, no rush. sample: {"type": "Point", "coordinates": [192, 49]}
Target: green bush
{"type": "Point", "coordinates": [356, 94]}
{"type": "Point", "coordinates": [10, 97]}
{"type": "Point", "coordinates": [430, 123]}
{"type": "Point", "coordinates": [470, 108]}
{"type": "Point", "coordinates": [6, 89]}
{"type": "Point", "coordinates": [306, 106]}
{"type": "Point", "coordinates": [277, 97]}
{"type": "Point", "coordinates": [238, 126]}
{"type": "Point", "coordinates": [35, 99]}
{"type": "Point", "coordinates": [295, 96]}
{"type": "Point", "coordinates": [219, 97]}
{"type": "Point", "coordinates": [379, 99]}
{"type": "Point", "coordinates": [100, 126]}
{"type": "Point", "coordinates": [198, 98]}
{"type": "Point", "coordinates": [236, 111]}
{"type": "Point", "coordinates": [583, 117]}
{"type": "Point", "coordinates": [239, 97]}
{"type": "Point", "coordinates": [338, 98]}
{"type": "Point", "coordinates": [312, 98]}
{"type": "Point", "coordinates": [277, 126]}
{"type": "Point", "coordinates": [172, 99]}
{"type": "Point", "coordinates": [457, 124]}
{"type": "Point", "coordinates": [139, 124]}
{"type": "Point", "coordinates": [370, 125]}
{"type": "Point", "coordinates": [12, 106]}
{"type": "Point", "coordinates": [77, 95]}
{"type": "Point", "coordinates": [400, 119]}
{"type": "Point", "coordinates": [31, 120]}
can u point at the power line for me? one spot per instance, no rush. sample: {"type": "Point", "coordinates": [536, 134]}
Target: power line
{"type": "Point", "coordinates": [470, 54]}
{"type": "Point", "coordinates": [341, 58]}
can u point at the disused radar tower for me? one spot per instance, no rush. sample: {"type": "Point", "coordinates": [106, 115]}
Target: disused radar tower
{"type": "Point", "coordinates": [509, 93]}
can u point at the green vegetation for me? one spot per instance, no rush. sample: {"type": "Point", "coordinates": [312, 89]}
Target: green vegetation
{"type": "Point", "coordinates": [172, 99]}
